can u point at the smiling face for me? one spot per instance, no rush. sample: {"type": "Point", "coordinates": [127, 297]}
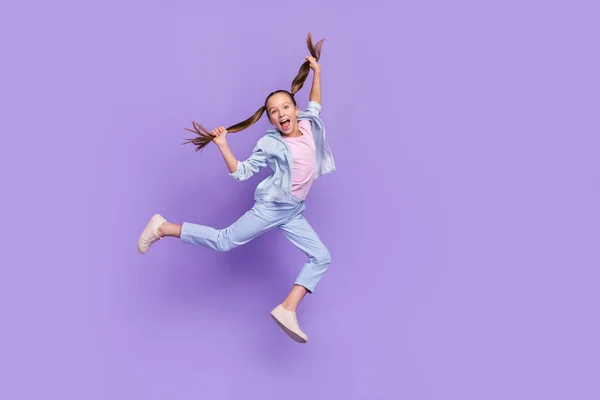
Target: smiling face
{"type": "Point", "coordinates": [283, 112]}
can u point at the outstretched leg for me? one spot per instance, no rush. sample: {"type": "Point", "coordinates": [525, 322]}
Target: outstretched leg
{"type": "Point", "coordinates": [252, 224]}
{"type": "Point", "coordinates": [249, 226]}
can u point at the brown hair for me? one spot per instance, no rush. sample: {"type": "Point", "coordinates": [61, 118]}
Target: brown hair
{"type": "Point", "coordinates": [205, 137]}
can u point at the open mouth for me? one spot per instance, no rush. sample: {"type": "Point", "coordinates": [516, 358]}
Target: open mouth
{"type": "Point", "coordinates": [285, 124]}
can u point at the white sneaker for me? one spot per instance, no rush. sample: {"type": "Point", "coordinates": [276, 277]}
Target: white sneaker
{"type": "Point", "coordinates": [288, 322]}
{"type": "Point", "coordinates": [150, 233]}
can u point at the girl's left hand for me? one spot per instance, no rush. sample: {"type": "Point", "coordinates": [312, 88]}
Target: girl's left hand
{"type": "Point", "coordinates": [313, 63]}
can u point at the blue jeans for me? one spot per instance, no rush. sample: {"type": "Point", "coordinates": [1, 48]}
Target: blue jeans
{"type": "Point", "coordinates": [262, 217]}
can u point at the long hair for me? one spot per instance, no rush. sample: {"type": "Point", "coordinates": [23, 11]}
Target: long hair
{"type": "Point", "coordinates": [204, 136]}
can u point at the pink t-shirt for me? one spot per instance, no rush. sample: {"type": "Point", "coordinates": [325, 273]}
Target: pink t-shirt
{"type": "Point", "coordinates": [304, 153]}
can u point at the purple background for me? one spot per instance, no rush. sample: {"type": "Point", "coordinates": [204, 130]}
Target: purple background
{"type": "Point", "coordinates": [462, 220]}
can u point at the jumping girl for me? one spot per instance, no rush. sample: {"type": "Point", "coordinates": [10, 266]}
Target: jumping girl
{"type": "Point", "coordinates": [297, 152]}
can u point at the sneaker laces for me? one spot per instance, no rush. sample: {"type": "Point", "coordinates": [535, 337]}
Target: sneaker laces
{"type": "Point", "coordinates": [155, 238]}
{"type": "Point", "coordinates": [295, 319]}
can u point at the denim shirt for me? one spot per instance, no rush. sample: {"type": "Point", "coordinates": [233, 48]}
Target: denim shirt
{"type": "Point", "coordinates": [272, 150]}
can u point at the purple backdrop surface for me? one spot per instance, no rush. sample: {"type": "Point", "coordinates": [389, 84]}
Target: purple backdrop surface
{"type": "Point", "coordinates": [462, 220]}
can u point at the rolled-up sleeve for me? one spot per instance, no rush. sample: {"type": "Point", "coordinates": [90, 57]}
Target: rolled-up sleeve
{"type": "Point", "coordinates": [314, 108]}
{"type": "Point", "coordinates": [245, 169]}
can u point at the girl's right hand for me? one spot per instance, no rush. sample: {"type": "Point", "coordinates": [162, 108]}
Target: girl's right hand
{"type": "Point", "coordinates": [220, 135]}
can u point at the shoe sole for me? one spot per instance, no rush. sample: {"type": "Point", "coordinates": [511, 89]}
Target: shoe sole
{"type": "Point", "coordinates": [290, 333]}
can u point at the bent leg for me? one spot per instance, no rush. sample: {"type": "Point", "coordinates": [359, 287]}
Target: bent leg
{"type": "Point", "coordinates": [299, 232]}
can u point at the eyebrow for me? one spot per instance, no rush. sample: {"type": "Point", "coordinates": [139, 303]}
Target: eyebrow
{"type": "Point", "coordinates": [283, 104]}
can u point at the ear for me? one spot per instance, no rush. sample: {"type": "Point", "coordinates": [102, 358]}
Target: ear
{"type": "Point", "coordinates": [297, 111]}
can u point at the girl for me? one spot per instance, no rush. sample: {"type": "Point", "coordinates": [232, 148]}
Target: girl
{"type": "Point", "coordinates": [298, 153]}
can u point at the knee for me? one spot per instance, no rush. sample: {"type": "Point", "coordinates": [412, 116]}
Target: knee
{"type": "Point", "coordinates": [323, 256]}
{"type": "Point", "coordinates": [224, 246]}
{"type": "Point", "coordinates": [224, 243]}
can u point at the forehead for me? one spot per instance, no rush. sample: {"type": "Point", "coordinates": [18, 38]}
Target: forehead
{"type": "Point", "coordinates": [279, 99]}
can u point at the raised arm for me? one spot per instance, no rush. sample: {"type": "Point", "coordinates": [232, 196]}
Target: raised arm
{"type": "Point", "coordinates": [315, 90]}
